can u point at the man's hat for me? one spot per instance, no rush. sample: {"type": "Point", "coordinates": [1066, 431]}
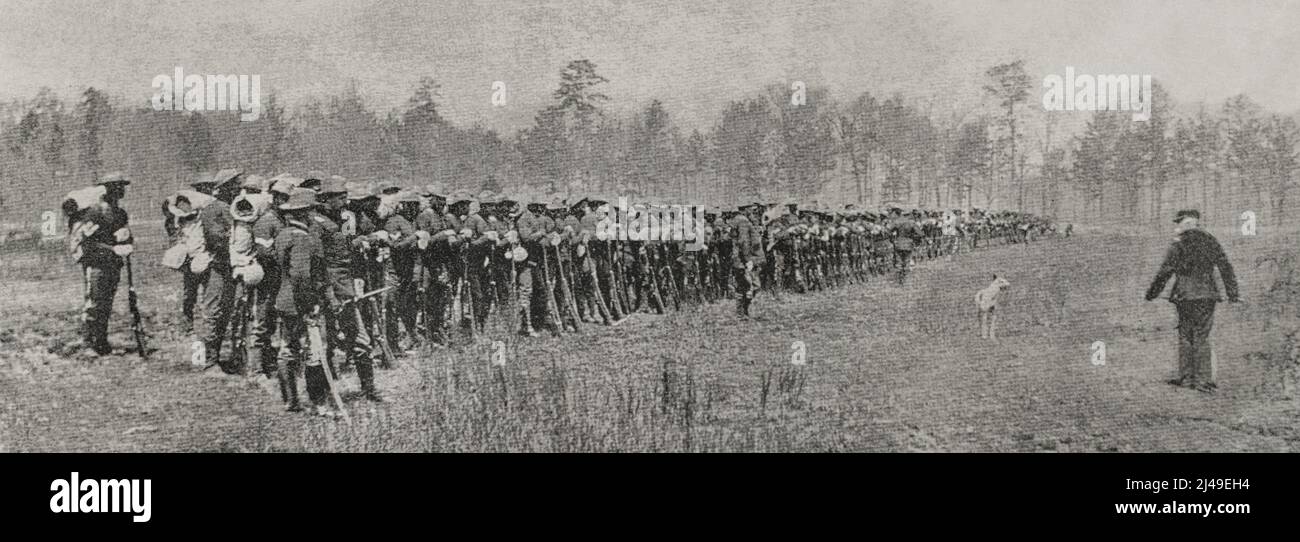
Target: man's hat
{"type": "Point", "coordinates": [334, 186]}
{"type": "Point", "coordinates": [556, 203]}
{"type": "Point", "coordinates": [116, 177]}
{"type": "Point", "coordinates": [1187, 213]}
{"type": "Point", "coordinates": [315, 175]}
{"type": "Point", "coordinates": [434, 191]}
{"type": "Point", "coordinates": [284, 184]}
{"type": "Point", "coordinates": [203, 179]}
{"type": "Point", "coordinates": [387, 187]}
{"type": "Point", "coordinates": [255, 182]}
{"type": "Point", "coordinates": [486, 197]}
{"type": "Point", "coordinates": [359, 191]}
{"type": "Point", "coordinates": [751, 206]}
{"type": "Point", "coordinates": [460, 196]}
{"type": "Point", "coordinates": [302, 198]}
{"type": "Point", "coordinates": [409, 196]}
{"type": "Point", "coordinates": [226, 176]}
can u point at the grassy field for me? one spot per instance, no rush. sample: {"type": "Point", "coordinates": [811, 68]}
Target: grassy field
{"type": "Point", "coordinates": [888, 369]}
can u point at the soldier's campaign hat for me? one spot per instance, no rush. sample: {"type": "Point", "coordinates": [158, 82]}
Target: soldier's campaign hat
{"type": "Point", "coordinates": [487, 197]}
{"type": "Point", "coordinates": [408, 196]}
{"type": "Point", "coordinates": [359, 191]}
{"type": "Point", "coordinates": [116, 177]}
{"type": "Point", "coordinates": [387, 187]}
{"type": "Point", "coordinates": [221, 178]}
{"type": "Point", "coordinates": [434, 191]}
{"type": "Point", "coordinates": [313, 179]}
{"type": "Point", "coordinates": [752, 205]}
{"type": "Point", "coordinates": [254, 182]}
{"type": "Point", "coordinates": [302, 198]}
{"type": "Point", "coordinates": [1187, 213]}
{"type": "Point", "coordinates": [460, 196]}
{"type": "Point", "coordinates": [334, 186]}
{"type": "Point", "coordinates": [203, 179]}
{"type": "Point", "coordinates": [284, 184]}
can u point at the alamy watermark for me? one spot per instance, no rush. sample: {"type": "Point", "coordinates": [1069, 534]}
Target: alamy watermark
{"type": "Point", "coordinates": [644, 222]}
{"type": "Point", "coordinates": [194, 92]}
{"type": "Point", "coordinates": [1103, 92]}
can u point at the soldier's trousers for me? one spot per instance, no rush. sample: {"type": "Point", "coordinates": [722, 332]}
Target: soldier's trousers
{"type": "Point", "coordinates": [190, 283]}
{"type": "Point", "coordinates": [531, 297]}
{"type": "Point", "coordinates": [218, 301]}
{"type": "Point", "coordinates": [263, 325]}
{"type": "Point", "coordinates": [100, 289]}
{"type": "Point", "coordinates": [349, 325]}
{"type": "Point", "coordinates": [293, 354]}
{"type": "Point", "coordinates": [401, 303]}
{"type": "Point", "coordinates": [747, 284]}
{"type": "Point", "coordinates": [501, 285]}
{"type": "Point", "coordinates": [1195, 357]}
{"type": "Point", "coordinates": [437, 294]}
{"type": "Point", "coordinates": [479, 283]}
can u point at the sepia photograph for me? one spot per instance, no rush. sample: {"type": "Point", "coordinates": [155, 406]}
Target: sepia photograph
{"type": "Point", "coordinates": [659, 226]}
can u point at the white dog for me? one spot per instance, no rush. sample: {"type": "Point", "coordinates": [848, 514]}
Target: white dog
{"type": "Point", "coordinates": [987, 302]}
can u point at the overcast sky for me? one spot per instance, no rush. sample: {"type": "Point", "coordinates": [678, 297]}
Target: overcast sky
{"type": "Point", "coordinates": [694, 55]}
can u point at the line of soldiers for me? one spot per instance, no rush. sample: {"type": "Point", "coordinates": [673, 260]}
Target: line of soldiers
{"type": "Point", "coordinates": [380, 270]}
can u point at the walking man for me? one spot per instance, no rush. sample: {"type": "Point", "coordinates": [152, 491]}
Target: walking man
{"type": "Point", "coordinates": [1192, 259]}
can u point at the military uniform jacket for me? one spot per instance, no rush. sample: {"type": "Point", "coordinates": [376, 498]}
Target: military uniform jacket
{"type": "Point", "coordinates": [217, 222]}
{"type": "Point", "coordinates": [335, 241]}
{"type": "Point", "coordinates": [302, 263]}
{"type": "Point", "coordinates": [906, 233]}
{"type": "Point", "coordinates": [96, 247]}
{"type": "Point", "coordinates": [1192, 260]}
{"type": "Point", "coordinates": [748, 242]}
{"type": "Point", "coordinates": [436, 224]}
{"type": "Point", "coordinates": [532, 233]}
{"type": "Point", "coordinates": [401, 241]}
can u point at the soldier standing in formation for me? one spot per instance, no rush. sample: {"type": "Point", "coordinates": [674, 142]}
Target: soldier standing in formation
{"type": "Point", "coordinates": [102, 241]}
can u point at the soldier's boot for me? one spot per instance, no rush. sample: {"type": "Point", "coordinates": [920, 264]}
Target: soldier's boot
{"type": "Point", "coordinates": [289, 388]}
{"type": "Point", "coordinates": [89, 343]}
{"type": "Point", "coordinates": [213, 352]}
{"type": "Point", "coordinates": [317, 386]}
{"type": "Point", "coordinates": [366, 373]}
{"type": "Point", "coordinates": [266, 360]}
{"type": "Point", "coordinates": [525, 321]}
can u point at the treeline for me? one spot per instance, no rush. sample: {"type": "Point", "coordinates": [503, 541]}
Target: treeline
{"type": "Point", "coordinates": [785, 140]}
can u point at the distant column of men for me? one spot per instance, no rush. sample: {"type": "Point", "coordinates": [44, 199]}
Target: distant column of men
{"type": "Point", "coordinates": [385, 270]}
